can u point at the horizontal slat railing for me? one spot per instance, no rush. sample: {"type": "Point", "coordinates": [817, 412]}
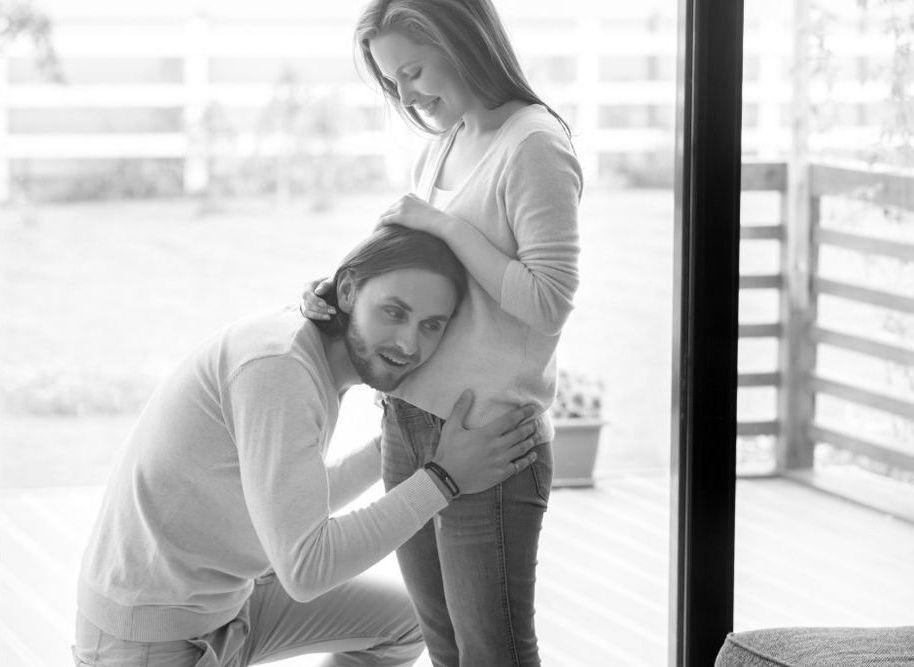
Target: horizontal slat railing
{"type": "Point", "coordinates": [867, 244]}
{"type": "Point", "coordinates": [881, 188]}
{"type": "Point", "coordinates": [867, 295]}
{"type": "Point", "coordinates": [761, 281]}
{"type": "Point", "coordinates": [867, 346]}
{"type": "Point", "coordinates": [764, 177]}
{"type": "Point", "coordinates": [769, 330]}
{"type": "Point", "coordinates": [864, 397]}
{"type": "Point", "coordinates": [762, 232]}
{"type": "Point", "coordinates": [758, 380]}
{"type": "Point", "coordinates": [751, 428]}
{"type": "Point", "coordinates": [761, 177]}
{"type": "Point", "coordinates": [863, 447]}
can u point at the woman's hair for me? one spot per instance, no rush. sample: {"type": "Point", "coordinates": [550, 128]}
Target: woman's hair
{"type": "Point", "coordinates": [468, 33]}
{"type": "Point", "coordinates": [391, 248]}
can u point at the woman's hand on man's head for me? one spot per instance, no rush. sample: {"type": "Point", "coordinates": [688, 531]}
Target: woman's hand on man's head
{"type": "Point", "coordinates": [415, 213]}
{"type": "Point", "coordinates": [312, 306]}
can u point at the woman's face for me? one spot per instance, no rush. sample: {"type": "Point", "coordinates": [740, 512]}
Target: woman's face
{"type": "Point", "coordinates": [425, 79]}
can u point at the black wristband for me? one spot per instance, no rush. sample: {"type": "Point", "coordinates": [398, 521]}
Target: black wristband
{"type": "Point", "coordinates": [446, 479]}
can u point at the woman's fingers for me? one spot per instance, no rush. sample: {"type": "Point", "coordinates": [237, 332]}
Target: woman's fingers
{"type": "Point", "coordinates": [314, 314]}
{"type": "Point", "coordinates": [312, 305]}
{"type": "Point", "coordinates": [386, 219]}
{"type": "Point", "coordinates": [315, 308]}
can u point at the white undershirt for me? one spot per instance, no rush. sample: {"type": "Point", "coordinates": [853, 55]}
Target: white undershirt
{"type": "Point", "coordinates": [441, 198]}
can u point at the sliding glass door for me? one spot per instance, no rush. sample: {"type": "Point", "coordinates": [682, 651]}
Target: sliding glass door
{"type": "Point", "coordinates": [825, 498]}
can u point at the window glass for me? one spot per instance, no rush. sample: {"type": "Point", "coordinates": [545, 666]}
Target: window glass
{"type": "Point", "coordinates": [826, 353]}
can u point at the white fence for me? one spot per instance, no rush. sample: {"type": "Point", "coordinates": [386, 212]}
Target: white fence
{"type": "Point", "coordinates": [608, 66]}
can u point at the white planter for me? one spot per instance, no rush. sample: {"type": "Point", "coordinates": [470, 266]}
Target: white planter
{"type": "Point", "coordinates": [574, 451]}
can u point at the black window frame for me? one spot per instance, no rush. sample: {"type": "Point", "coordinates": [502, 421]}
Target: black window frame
{"type": "Point", "coordinates": [705, 328]}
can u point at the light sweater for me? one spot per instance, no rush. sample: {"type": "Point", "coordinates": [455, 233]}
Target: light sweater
{"type": "Point", "coordinates": [223, 479]}
{"type": "Point", "coordinates": [523, 196]}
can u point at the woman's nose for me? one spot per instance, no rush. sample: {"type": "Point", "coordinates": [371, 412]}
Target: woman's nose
{"type": "Point", "coordinates": [407, 94]}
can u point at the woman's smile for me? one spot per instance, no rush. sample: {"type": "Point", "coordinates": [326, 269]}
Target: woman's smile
{"type": "Point", "coordinates": [428, 108]}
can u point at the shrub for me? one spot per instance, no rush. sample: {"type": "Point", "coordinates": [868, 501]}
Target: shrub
{"type": "Point", "coordinates": [578, 396]}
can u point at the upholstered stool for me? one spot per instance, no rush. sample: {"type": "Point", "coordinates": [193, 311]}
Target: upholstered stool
{"type": "Point", "coordinates": [815, 647]}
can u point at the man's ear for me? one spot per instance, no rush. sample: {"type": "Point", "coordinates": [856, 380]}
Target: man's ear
{"type": "Point", "coordinates": [345, 293]}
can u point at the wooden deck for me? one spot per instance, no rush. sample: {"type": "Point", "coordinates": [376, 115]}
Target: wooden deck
{"type": "Point", "coordinates": [803, 558]}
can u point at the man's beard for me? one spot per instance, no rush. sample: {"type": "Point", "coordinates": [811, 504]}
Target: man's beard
{"type": "Point", "coordinates": [382, 379]}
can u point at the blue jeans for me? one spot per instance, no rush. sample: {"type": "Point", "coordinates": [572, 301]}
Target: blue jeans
{"type": "Point", "coordinates": [471, 571]}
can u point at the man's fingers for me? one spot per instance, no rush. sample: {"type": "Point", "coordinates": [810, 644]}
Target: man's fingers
{"type": "Point", "coordinates": [521, 448]}
{"type": "Point", "coordinates": [323, 287]}
{"type": "Point", "coordinates": [462, 407]}
{"type": "Point", "coordinates": [509, 421]}
{"type": "Point", "coordinates": [518, 435]}
{"type": "Point", "coordinates": [522, 463]}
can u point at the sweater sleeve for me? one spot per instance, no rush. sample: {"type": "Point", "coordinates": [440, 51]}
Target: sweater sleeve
{"type": "Point", "coordinates": [353, 474]}
{"type": "Point", "coordinates": [275, 412]}
{"type": "Point", "coordinates": [542, 190]}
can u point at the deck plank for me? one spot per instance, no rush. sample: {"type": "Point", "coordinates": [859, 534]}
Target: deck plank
{"type": "Point", "coordinates": [802, 558]}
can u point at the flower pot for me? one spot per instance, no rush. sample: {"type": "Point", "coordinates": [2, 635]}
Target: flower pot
{"type": "Point", "coordinates": [574, 451]}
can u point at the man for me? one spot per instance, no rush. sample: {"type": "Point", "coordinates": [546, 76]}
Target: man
{"type": "Point", "coordinates": [215, 543]}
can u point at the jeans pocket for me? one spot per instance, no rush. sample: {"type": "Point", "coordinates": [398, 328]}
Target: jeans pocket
{"type": "Point", "coordinates": [419, 430]}
{"type": "Point", "coordinates": [542, 471]}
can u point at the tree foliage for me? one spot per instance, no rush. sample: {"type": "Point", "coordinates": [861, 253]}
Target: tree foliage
{"type": "Point", "coordinates": [23, 20]}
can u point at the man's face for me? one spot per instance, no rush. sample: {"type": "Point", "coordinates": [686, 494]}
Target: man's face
{"type": "Point", "coordinates": [396, 322]}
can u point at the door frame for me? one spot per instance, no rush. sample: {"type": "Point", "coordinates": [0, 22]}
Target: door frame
{"type": "Point", "coordinates": [705, 328]}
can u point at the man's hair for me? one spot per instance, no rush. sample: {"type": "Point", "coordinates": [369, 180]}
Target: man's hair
{"type": "Point", "coordinates": [470, 35]}
{"type": "Point", "coordinates": [391, 248]}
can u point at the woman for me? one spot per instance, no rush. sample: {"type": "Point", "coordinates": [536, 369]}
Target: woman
{"type": "Point", "coordinates": [501, 185]}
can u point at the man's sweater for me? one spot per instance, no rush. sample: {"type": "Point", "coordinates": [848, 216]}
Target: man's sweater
{"type": "Point", "coordinates": [223, 478]}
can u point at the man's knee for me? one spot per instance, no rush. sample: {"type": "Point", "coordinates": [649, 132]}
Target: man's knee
{"type": "Point", "coordinates": [405, 647]}
{"type": "Point", "coordinates": [413, 638]}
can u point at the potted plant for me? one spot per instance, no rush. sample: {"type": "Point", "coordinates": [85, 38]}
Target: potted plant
{"type": "Point", "coordinates": [578, 417]}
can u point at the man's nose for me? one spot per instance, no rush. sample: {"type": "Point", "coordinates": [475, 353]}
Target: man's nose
{"type": "Point", "coordinates": [408, 340]}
